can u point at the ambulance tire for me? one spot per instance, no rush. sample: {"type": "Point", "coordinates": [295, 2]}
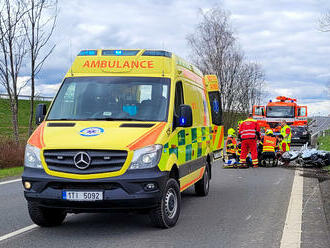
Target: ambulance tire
{"type": "Point", "coordinates": [45, 217]}
{"type": "Point", "coordinates": [167, 213]}
{"type": "Point", "coordinates": [202, 186]}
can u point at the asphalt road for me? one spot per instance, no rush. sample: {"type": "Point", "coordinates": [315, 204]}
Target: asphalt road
{"type": "Point", "coordinates": [245, 208]}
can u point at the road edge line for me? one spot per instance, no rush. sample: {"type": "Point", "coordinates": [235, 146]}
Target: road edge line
{"type": "Point", "coordinates": [10, 181]}
{"type": "Point", "coordinates": [291, 236]}
{"type": "Point", "coordinates": [17, 232]}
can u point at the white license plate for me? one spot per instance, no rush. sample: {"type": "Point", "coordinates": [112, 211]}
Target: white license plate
{"type": "Point", "coordinates": [82, 195]}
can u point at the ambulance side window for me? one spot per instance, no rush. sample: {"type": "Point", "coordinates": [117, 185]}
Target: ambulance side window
{"type": "Point", "coordinates": [216, 110]}
{"type": "Point", "coordinates": [177, 102]}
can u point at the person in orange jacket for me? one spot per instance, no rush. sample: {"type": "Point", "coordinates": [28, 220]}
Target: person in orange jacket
{"type": "Point", "coordinates": [249, 133]}
{"type": "Point", "coordinates": [269, 145]}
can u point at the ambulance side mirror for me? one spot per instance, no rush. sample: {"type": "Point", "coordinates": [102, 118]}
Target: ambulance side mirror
{"type": "Point", "coordinates": [185, 117]}
{"type": "Point", "coordinates": [40, 113]}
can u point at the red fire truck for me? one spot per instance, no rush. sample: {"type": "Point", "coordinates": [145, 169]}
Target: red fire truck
{"type": "Point", "coordinates": [285, 108]}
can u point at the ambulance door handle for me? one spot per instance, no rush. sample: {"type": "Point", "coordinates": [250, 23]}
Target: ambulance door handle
{"type": "Point", "coordinates": [187, 134]}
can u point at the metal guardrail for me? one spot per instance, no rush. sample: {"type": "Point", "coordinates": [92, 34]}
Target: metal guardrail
{"type": "Point", "coordinates": [27, 97]}
{"type": "Point", "coordinates": [315, 136]}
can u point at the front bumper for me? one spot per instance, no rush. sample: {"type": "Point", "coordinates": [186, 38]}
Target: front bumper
{"type": "Point", "coordinates": [123, 192]}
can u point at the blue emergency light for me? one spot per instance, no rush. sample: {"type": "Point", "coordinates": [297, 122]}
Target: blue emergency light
{"type": "Point", "coordinates": [88, 53]}
{"type": "Point", "coordinates": [120, 52]}
{"type": "Point", "coordinates": [182, 121]}
{"type": "Point", "coordinates": [157, 53]}
{"type": "Point", "coordinates": [270, 100]}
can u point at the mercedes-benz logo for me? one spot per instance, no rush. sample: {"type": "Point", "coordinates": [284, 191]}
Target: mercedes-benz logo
{"type": "Point", "coordinates": [82, 160]}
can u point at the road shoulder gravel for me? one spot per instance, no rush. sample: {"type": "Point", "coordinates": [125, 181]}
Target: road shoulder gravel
{"type": "Point", "coordinates": [315, 232]}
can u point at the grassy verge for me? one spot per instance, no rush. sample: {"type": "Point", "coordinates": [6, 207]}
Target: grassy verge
{"type": "Point", "coordinates": [327, 168]}
{"type": "Point", "coordinates": [8, 172]}
{"type": "Point", "coordinates": [324, 141]}
{"type": "Point", "coordinates": [6, 129]}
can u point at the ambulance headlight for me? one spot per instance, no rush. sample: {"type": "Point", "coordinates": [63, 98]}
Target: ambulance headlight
{"type": "Point", "coordinates": [32, 157]}
{"type": "Point", "coordinates": [147, 157]}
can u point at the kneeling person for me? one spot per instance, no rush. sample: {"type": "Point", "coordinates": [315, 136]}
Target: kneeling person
{"type": "Point", "coordinates": [268, 147]}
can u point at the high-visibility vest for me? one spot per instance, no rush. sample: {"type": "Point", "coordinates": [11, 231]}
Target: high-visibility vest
{"type": "Point", "coordinates": [269, 144]}
{"type": "Point", "coordinates": [249, 129]}
{"type": "Point", "coordinates": [286, 146]}
{"type": "Point", "coordinates": [284, 133]}
{"type": "Point", "coordinates": [231, 144]}
{"type": "Point", "coordinates": [239, 149]}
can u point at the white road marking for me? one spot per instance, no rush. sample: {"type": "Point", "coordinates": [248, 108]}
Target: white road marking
{"type": "Point", "coordinates": [17, 232]}
{"type": "Point", "coordinates": [10, 181]}
{"type": "Point", "coordinates": [291, 237]}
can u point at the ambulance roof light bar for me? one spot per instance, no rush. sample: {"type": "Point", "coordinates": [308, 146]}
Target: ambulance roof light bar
{"type": "Point", "coordinates": [88, 53]}
{"type": "Point", "coordinates": [120, 52]}
{"type": "Point", "coordinates": [157, 53]}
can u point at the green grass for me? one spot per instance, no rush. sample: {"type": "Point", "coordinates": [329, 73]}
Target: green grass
{"type": "Point", "coordinates": [6, 129]}
{"type": "Point", "coordinates": [15, 171]}
{"type": "Point", "coordinates": [327, 168]}
{"type": "Point", "coordinates": [324, 141]}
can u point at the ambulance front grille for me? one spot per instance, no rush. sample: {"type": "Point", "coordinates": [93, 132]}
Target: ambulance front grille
{"type": "Point", "coordinates": [101, 161]}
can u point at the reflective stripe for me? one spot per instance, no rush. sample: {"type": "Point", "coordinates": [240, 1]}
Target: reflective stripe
{"type": "Point", "coordinates": [248, 134]}
{"type": "Point", "coordinates": [248, 130]}
{"type": "Point", "coordinates": [268, 149]}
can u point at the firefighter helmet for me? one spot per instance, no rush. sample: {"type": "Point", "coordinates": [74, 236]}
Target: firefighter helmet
{"type": "Point", "coordinates": [231, 131]}
{"type": "Point", "coordinates": [269, 131]}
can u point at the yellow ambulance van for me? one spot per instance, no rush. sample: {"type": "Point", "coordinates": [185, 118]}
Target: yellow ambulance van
{"type": "Point", "coordinates": [127, 130]}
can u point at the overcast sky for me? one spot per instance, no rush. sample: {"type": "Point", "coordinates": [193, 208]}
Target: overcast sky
{"type": "Point", "coordinates": [281, 35]}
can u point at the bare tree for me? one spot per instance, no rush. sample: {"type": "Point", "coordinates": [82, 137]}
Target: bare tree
{"type": "Point", "coordinates": [39, 25]}
{"type": "Point", "coordinates": [12, 52]}
{"type": "Point", "coordinates": [325, 22]}
{"type": "Point", "coordinates": [215, 51]}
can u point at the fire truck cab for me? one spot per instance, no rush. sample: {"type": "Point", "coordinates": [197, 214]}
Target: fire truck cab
{"type": "Point", "coordinates": [271, 115]}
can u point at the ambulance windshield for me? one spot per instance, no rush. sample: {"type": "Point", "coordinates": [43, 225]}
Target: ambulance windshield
{"type": "Point", "coordinates": [112, 98]}
{"type": "Point", "coordinates": [280, 111]}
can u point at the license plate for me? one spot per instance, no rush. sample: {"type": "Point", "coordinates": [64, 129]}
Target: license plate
{"type": "Point", "coordinates": [82, 195]}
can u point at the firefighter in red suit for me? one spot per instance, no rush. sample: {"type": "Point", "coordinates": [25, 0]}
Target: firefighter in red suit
{"type": "Point", "coordinates": [249, 133]}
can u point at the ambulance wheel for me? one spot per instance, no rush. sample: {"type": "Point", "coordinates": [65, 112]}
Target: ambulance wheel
{"type": "Point", "coordinates": [202, 186]}
{"type": "Point", "coordinates": [45, 217]}
{"type": "Point", "coordinates": [167, 213]}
